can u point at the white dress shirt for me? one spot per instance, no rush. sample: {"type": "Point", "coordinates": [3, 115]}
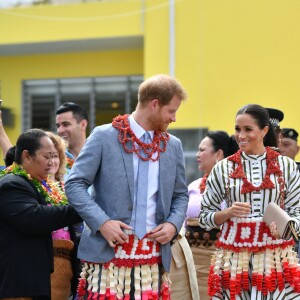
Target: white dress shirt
{"type": "Point", "coordinates": [153, 174]}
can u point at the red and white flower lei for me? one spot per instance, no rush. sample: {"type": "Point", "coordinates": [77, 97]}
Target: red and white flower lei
{"type": "Point", "coordinates": [272, 168]}
{"type": "Point", "coordinates": [132, 144]}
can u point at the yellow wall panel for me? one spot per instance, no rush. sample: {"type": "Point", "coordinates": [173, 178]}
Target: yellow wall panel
{"type": "Point", "coordinates": [82, 64]}
{"type": "Point", "coordinates": [188, 65]}
{"type": "Point", "coordinates": [251, 55]}
{"type": "Point", "coordinates": [156, 38]}
{"type": "Point", "coordinates": [71, 22]}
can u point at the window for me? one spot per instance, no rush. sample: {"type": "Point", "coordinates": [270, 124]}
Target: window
{"type": "Point", "coordinates": [102, 97]}
{"type": "Point", "coordinates": [190, 139]}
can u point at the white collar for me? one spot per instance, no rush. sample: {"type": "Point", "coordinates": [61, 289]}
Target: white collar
{"type": "Point", "coordinates": [137, 129]}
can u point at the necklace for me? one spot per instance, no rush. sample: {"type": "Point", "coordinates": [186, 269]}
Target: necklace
{"type": "Point", "coordinates": [126, 135]}
{"type": "Point", "coordinates": [202, 185]}
{"type": "Point", "coordinates": [272, 168]}
{"type": "Point", "coordinates": [69, 162]}
{"type": "Point", "coordinates": [53, 192]}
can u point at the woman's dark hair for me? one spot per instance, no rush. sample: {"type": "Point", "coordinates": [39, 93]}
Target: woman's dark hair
{"type": "Point", "coordinates": [10, 156]}
{"type": "Point", "coordinates": [262, 118]}
{"type": "Point", "coordinates": [30, 141]}
{"type": "Point", "coordinates": [221, 140]}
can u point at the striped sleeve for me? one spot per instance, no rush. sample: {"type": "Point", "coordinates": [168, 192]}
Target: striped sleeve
{"type": "Point", "coordinates": [213, 196]}
{"type": "Point", "coordinates": [291, 176]}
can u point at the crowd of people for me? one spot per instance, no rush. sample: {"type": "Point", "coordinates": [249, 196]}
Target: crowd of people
{"type": "Point", "coordinates": [111, 216]}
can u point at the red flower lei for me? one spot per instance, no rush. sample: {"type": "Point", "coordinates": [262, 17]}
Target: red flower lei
{"type": "Point", "coordinates": [202, 185]}
{"type": "Point", "coordinates": [126, 135]}
{"type": "Point", "coordinates": [272, 168]}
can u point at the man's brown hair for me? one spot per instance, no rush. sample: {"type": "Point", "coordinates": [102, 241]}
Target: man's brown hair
{"type": "Point", "coordinates": [161, 87]}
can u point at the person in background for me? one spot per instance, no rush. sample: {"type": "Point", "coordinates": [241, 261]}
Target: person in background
{"type": "Point", "coordinates": [289, 147]}
{"type": "Point", "coordinates": [214, 147]}
{"type": "Point", "coordinates": [251, 261]}
{"type": "Point", "coordinates": [27, 218]}
{"type": "Point", "coordinates": [63, 279]}
{"type": "Point", "coordinates": [5, 143]}
{"type": "Point", "coordinates": [139, 197]}
{"type": "Point", "coordinates": [289, 143]}
{"type": "Point", "coordinates": [71, 124]}
{"type": "Point", "coordinates": [276, 116]}
{"type": "Point", "coordinates": [10, 156]}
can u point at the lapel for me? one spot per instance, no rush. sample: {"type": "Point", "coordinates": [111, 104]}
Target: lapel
{"type": "Point", "coordinates": [164, 168]}
{"type": "Point", "coordinates": [128, 163]}
{"type": "Point", "coordinates": [41, 199]}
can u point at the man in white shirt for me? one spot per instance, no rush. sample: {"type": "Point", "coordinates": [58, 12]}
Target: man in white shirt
{"type": "Point", "coordinates": [117, 243]}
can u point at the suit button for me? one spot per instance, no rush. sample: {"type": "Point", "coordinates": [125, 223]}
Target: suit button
{"type": "Point", "coordinates": [130, 207]}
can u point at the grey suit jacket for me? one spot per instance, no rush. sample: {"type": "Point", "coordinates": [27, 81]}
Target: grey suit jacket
{"type": "Point", "coordinates": [105, 165]}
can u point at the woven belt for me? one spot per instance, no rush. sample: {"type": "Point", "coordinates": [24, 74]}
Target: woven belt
{"type": "Point", "coordinates": [61, 252]}
{"type": "Point", "coordinates": [203, 234]}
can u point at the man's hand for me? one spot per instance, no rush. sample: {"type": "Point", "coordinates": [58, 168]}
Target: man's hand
{"type": "Point", "coordinates": [113, 233]}
{"type": "Point", "coordinates": [163, 233]}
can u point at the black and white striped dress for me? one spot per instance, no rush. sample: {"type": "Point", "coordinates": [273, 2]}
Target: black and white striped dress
{"type": "Point", "coordinates": [223, 189]}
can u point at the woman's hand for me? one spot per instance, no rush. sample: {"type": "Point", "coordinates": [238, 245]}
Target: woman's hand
{"type": "Point", "coordinates": [274, 231]}
{"type": "Point", "coordinates": [238, 209]}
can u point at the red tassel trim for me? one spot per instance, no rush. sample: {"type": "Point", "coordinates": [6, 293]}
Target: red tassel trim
{"type": "Point", "coordinates": [266, 284]}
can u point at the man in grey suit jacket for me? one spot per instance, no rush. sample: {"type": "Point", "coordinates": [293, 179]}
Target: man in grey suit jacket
{"type": "Point", "coordinates": [115, 260]}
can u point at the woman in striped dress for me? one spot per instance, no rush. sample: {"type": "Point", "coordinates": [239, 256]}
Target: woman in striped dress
{"type": "Point", "coordinates": [215, 146]}
{"type": "Point", "coordinates": [251, 261]}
